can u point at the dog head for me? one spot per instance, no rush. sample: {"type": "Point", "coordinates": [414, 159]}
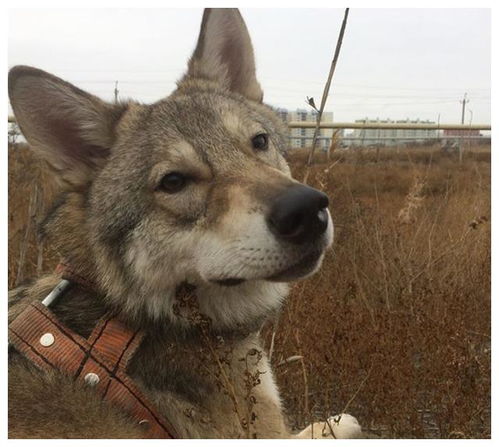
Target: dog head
{"type": "Point", "coordinates": [193, 188]}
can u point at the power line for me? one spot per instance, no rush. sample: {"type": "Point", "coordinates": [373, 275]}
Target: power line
{"type": "Point", "coordinates": [373, 86]}
{"type": "Point", "coordinates": [292, 93]}
{"type": "Point", "coordinates": [265, 79]}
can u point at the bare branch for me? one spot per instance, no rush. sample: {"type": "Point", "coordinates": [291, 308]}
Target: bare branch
{"type": "Point", "coordinates": [325, 93]}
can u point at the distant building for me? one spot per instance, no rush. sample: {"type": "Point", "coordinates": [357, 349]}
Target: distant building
{"type": "Point", "coordinates": [452, 137]}
{"type": "Point", "coordinates": [303, 137]}
{"type": "Point", "coordinates": [391, 137]}
{"type": "Point", "coordinates": [449, 133]}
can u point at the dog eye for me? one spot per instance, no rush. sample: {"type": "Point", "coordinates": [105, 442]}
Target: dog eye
{"type": "Point", "coordinates": [260, 142]}
{"type": "Point", "coordinates": [173, 182]}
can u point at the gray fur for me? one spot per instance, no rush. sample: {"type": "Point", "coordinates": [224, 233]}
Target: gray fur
{"type": "Point", "coordinates": [138, 244]}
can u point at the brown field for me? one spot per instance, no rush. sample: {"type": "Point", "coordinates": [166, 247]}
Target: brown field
{"type": "Point", "coordinates": [395, 329]}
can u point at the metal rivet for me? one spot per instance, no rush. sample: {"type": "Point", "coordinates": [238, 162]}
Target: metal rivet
{"type": "Point", "coordinates": [92, 379]}
{"type": "Point", "coordinates": [47, 339]}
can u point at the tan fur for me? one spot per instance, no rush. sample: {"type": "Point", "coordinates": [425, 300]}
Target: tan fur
{"type": "Point", "coordinates": [201, 361]}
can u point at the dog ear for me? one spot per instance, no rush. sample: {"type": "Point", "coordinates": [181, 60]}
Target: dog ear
{"type": "Point", "coordinates": [71, 129]}
{"type": "Point", "coordinates": [224, 53]}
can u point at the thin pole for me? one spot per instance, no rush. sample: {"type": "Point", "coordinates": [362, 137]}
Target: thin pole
{"type": "Point", "coordinates": [463, 102]}
{"type": "Point", "coordinates": [326, 92]}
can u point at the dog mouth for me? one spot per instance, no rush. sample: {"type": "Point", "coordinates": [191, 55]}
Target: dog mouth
{"type": "Point", "coordinates": [229, 282]}
{"type": "Point", "coordinates": [300, 269]}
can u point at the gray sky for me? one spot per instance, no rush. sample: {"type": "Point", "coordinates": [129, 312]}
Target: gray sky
{"type": "Point", "coordinates": [395, 63]}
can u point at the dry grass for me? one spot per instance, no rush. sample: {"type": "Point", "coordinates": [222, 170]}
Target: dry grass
{"type": "Point", "coordinates": [31, 191]}
{"type": "Point", "coordinates": [395, 329]}
{"type": "Point", "coordinates": [401, 307]}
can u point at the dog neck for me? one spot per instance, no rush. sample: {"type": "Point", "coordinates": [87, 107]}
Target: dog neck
{"type": "Point", "coordinates": [66, 230]}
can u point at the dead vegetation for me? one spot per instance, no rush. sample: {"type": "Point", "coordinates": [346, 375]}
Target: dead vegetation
{"type": "Point", "coordinates": [31, 191]}
{"type": "Point", "coordinates": [396, 326]}
{"type": "Point", "coordinates": [395, 329]}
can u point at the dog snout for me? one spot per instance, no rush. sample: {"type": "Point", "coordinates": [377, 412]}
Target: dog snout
{"type": "Point", "coordinates": [299, 215]}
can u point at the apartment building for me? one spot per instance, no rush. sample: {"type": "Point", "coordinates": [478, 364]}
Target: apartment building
{"type": "Point", "coordinates": [391, 137]}
{"type": "Point", "coordinates": [303, 137]}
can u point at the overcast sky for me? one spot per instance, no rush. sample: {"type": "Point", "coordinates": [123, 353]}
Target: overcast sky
{"type": "Point", "coordinates": [395, 63]}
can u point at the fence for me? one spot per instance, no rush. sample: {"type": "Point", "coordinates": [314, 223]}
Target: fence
{"type": "Point", "coordinates": [371, 133]}
{"type": "Point", "coordinates": [384, 126]}
{"type": "Point", "coordinates": [406, 126]}
{"type": "Point", "coordinates": [340, 125]}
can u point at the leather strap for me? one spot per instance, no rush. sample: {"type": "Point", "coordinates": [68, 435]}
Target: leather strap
{"type": "Point", "coordinates": [67, 272]}
{"type": "Point", "coordinates": [99, 362]}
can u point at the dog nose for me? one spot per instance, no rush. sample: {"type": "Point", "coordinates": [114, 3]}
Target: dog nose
{"type": "Point", "coordinates": [299, 215]}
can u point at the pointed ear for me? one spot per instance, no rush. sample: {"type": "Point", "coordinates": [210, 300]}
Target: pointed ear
{"type": "Point", "coordinates": [71, 129]}
{"type": "Point", "coordinates": [224, 53]}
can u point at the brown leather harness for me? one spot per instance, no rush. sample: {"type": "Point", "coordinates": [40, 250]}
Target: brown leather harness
{"type": "Point", "coordinates": [98, 362]}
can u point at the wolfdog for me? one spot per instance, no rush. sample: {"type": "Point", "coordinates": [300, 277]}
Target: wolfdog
{"type": "Point", "coordinates": [180, 219]}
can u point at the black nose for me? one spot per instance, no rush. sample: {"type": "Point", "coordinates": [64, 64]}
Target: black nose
{"type": "Point", "coordinates": [299, 214]}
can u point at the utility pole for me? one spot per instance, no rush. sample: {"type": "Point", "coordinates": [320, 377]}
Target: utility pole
{"type": "Point", "coordinates": [471, 120]}
{"type": "Point", "coordinates": [438, 133]}
{"type": "Point", "coordinates": [116, 91]}
{"type": "Point", "coordinates": [463, 102]}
